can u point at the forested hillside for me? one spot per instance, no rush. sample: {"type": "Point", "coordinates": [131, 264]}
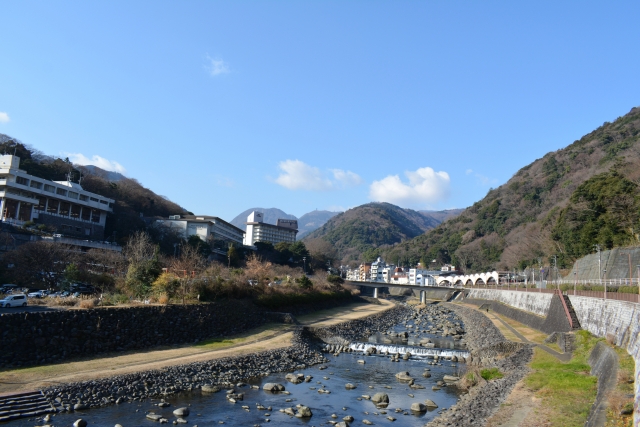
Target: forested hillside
{"type": "Point", "coordinates": [562, 204]}
{"type": "Point", "coordinates": [132, 199]}
{"type": "Point", "coordinates": [357, 234]}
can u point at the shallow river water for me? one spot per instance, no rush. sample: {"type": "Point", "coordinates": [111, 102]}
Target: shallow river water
{"type": "Point", "coordinates": [376, 375]}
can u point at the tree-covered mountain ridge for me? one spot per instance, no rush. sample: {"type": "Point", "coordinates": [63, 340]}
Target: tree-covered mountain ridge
{"type": "Point", "coordinates": [560, 205]}
{"type": "Point", "coordinates": [360, 232]}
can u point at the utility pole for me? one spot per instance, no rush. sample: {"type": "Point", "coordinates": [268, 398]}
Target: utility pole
{"type": "Point", "coordinates": [599, 263]}
{"type": "Point", "coordinates": [555, 269]}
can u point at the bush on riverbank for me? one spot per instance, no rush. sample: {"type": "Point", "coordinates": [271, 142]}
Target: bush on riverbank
{"type": "Point", "coordinates": [618, 289]}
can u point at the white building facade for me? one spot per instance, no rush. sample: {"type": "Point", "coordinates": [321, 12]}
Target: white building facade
{"type": "Point", "coordinates": [259, 231]}
{"type": "Point", "coordinates": [62, 205]}
{"type": "Point", "coordinates": [208, 228]}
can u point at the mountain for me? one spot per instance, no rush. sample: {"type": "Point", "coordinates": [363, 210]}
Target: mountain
{"type": "Point", "coordinates": [311, 221]}
{"type": "Point", "coordinates": [560, 205]}
{"type": "Point", "coordinates": [359, 232]}
{"type": "Point", "coordinates": [271, 216]}
{"type": "Point", "coordinates": [442, 216]}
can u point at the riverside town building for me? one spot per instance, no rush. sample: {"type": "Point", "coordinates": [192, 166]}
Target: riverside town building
{"type": "Point", "coordinates": [64, 205]}
{"type": "Point", "coordinates": [259, 231]}
{"type": "Point", "coordinates": [208, 228]}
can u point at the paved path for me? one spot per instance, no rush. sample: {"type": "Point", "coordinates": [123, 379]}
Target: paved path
{"type": "Point", "coordinates": [265, 338]}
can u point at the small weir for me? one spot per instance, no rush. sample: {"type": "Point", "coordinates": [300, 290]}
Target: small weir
{"type": "Point", "coordinates": [414, 351]}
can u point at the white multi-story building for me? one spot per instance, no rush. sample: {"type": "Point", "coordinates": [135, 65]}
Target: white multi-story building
{"type": "Point", "coordinates": [353, 275]}
{"type": "Point", "coordinates": [208, 228]}
{"type": "Point", "coordinates": [387, 273]}
{"type": "Point", "coordinates": [376, 270]}
{"type": "Point", "coordinates": [62, 205]}
{"type": "Point", "coordinates": [259, 231]}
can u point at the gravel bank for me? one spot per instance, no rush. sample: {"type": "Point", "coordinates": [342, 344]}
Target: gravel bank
{"type": "Point", "coordinates": [486, 343]}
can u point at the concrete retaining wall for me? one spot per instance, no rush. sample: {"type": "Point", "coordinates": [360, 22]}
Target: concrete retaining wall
{"type": "Point", "coordinates": [616, 320]}
{"type": "Point", "coordinates": [537, 303]}
{"type": "Point", "coordinates": [555, 321]}
{"type": "Point", "coordinates": [604, 365]}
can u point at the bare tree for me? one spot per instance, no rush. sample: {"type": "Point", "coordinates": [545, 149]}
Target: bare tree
{"type": "Point", "coordinates": [40, 264]}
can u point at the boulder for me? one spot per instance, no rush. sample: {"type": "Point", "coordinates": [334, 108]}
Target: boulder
{"type": "Point", "coordinates": [450, 379]}
{"type": "Point", "coordinates": [430, 403]}
{"type": "Point", "coordinates": [418, 407]}
{"type": "Point", "coordinates": [154, 417]}
{"type": "Point", "coordinates": [181, 412]}
{"type": "Point", "coordinates": [380, 398]}
{"type": "Point", "coordinates": [403, 376]}
{"type": "Point", "coordinates": [208, 388]}
{"type": "Point", "coordinates": [273, 387]}
{"type": "Point", "coordinates": [80, 423]}
{"type": "Point", "coordinates": [350, 386]}
{"type": "Point", "coordinates": [294, 378]}
{"type": "Point", "coordinates": [304, 412]}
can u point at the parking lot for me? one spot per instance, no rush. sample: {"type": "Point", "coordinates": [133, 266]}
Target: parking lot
{"type": "Point", "coordinates": [28, 309]}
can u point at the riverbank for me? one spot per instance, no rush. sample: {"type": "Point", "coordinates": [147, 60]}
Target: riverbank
{"type": "Point", "coordinates": [268, 337]}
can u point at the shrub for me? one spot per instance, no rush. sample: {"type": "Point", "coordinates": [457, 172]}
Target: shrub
{"type": "Point", "coordinates": [304, 282]}
{"type": "Point", "coordinates": [87, 303]}
{"type": "Point", "coordinates": [163, 299]}
{"type": "Point", "coordinates": [491, 374]}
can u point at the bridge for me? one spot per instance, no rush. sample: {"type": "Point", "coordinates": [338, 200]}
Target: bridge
{"type": "Point", "coordinates": [426, 292]}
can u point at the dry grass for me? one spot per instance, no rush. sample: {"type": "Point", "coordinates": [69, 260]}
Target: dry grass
{"type": "Point", "coordinates": [163, 299]}
{"type": "Point", "coordinates": [87, 303]}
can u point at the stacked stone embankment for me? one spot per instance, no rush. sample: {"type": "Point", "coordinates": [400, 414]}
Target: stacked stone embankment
{"type": "Point", "coordinates": [45, 337]}
{"type": "Point", "coordinates": [183, 378]}
{"type": "Point", "coordinates": [489, 349]}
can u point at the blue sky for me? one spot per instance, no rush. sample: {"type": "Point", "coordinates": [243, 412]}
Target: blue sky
{"type": "Point", "coordinates": [222, 106]}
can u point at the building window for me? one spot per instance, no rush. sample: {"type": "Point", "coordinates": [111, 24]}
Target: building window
{"type": "Point", "coordinates": [22, 181]}
{"type": "Point", "coordinates": [64, 208]}
{"type": "Point", "coordinates": [95, 215]}
{"type": "Point", "coordinates": [104, 202]}
{"type": "Point", "coordinates": [36, 184]}
{"type": "Point", "coordinates": [61, 192]}
{"type": "Point", "coordinates": [75, 211]}
{"type": "Point", "coordinates": [86, 214]}
{"type": "Point", "coordinates": [83, 198]}
{"type": "Point", "coordinates": [49, 188]}
{"type": "Point", "coordinates": [72, 195]}
{"type": "Point", "coordinates": [93, 199]}
{"type": "Point", "coordinates": [53, 206]}
{"type": "Point", "coordinates": [42, 203]}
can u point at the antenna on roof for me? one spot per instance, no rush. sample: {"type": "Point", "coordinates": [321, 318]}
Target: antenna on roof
{"type": "Point", "coordinates": [80, 178]}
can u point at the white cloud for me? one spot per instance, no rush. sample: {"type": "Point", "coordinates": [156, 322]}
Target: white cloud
{"type": "Point", "coordinates": [297, 175]}
{"type": "Point", "coordinates": [346, 178]}
{"type": "Point", "coordinates": [101, 162]}
{"type": "Point", "coordinates": [425, 186]}
{"type": "Point", "coordinates": [217, 66]}
{"type": "Point", "coordinates": [4, 117]}
{"type": "Point", "coordinates": [469, 171]}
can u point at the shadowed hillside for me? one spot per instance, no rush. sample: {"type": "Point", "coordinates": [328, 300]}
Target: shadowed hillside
{"type": "Point", "coordinates": [561, 204]}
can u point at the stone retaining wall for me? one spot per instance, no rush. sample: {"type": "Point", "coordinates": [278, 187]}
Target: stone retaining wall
{"type": "Point", "coordinates": [533, 302]}
{"type": "Point", "coordinates": [45, 337]}
{"type": "Point", "coordinates": [604, 365]}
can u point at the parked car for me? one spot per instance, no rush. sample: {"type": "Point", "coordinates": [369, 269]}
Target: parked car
{"type": "Point", "coordinates": [37, 294]}
{"type": "Point", "coordinates": [18, 300]}
{"type": "Point", "coordinates": [8, 288]}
